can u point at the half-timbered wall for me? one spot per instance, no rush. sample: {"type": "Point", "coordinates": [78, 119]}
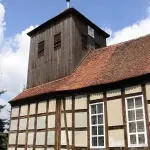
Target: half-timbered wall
{"type": "Point", "coordinates": [65, 123]}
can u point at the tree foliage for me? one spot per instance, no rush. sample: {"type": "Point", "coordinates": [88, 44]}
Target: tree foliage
{"type": "Point", "coordinates": [3, 123]}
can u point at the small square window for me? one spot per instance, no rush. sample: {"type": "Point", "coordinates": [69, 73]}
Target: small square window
{"type": "Point", "coordinates": [57, 41]}
{"type": "Point", "coordinates": [41, 49]}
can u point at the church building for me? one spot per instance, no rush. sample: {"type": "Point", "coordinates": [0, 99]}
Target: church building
{"type": "Point", "coordinates": [82, 94]}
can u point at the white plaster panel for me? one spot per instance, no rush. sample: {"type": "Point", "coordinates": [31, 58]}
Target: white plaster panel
{"type": "Point", "coordinates": [81, 102]}
{"type": "Point", "coordinates": [32, 109]}
{"type": "Point", "coordinates": [15, 112]}
{"type": "Point", "coordinates": [13, 125]}
{"type": "Point", "coordinates": [51, 148]}
{"type": "Point", "coordinates": [148, 111]}
{"type": "Point", "coordinates": [20, 148]}
{"type": "Point", "coordinates": [133, 89]}
{"type": "Point", "coordinates": [12, 138]}
{"type": "Point", "coordinates": [113, 93]}
{"type": "Point", "coordinates": [30, 138]}
{"type": "Point", "coordinates": [40, 149]}
{"type": "Point", "coordinates": [29, 148]}
{"type": "Point", "coordinates": [147, 91]}
{"type": "Point", "coordinates": [69, 120]}
{"type": "Point", "coordinates": [24, 110]}
{"type": "Point", "coordinates": [12, 148]}
{"type": "Point", "coordinates": [51, 138]}
{"type": "Point", "coordinates": [96, 96]}
{"type": "Point", "coordinates": [40, 138]}
{"type": "Point", "coordinates": [31, 123]}
{"type": "Point", "coordinates": [114, 110]}
{"type": "Point", "coordinates": [41, 122]}
{"type": "Point", "coordinates": [52, 105]}
{"type": "Point", "coordinates": [42, 107]}
{"type": "Point", "coordinates": [68, 103]}
{"type": "Point", "coordinates": [51, 121]}
{"type": "Point", "coordinates": [63, 137]}
{"type": "Point", "coordinates": [116, 138]}
{"type": "Point", "coordinates": [81, 138]}
{"type": "Point", "coordinates": [21, 138]}
{"type": "Point", "coordinates": [22, 124]}
{"type": "Point", "coordinates": [81, 119]}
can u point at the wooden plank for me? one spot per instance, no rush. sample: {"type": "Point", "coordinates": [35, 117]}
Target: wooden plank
{"type": "Point", "coordinates": [28, 113]}
{"type": "Point", "coordinates": [124, 117]}
{"type": "Point", "coordinates": [106, 121]}
{"type": "Point", "coordinates": [65, 121]}
{"type": "Point", "coordinates": [88, 121]}
{"type": "Point", "coordinates": [46, 134]}
{"type": "Point", "coordinates": [73, 122]}
{"type": "Point", "coordinates": [18, 129]}
{"type": "Point", "coordinates": [35, 126]}
{"type": "Point", "coordinates": [146, 114]}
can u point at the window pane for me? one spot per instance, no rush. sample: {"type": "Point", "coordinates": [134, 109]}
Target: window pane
{"type": "Point", "coordinates": [94, 120]}
{"type": "Point", "coordinates": [93, 109]}
{"type": "Point", "coordinates": [94, 130]}
{"type": "Point", "coordinates": [100, 141]}
{"type": "Point", "coordinates": [94, 141]}
{"type": "Point", "coordinates": [100, 108]}
{"type": "Point", "coordinates": [132, 127]}
{"type": "Point", "coordinates": [100, 119]}
{"type": "Point", "coordinates": [138, 102]}
{"type": "Point", "coordinates": [141, 139]}
{"type": "Point", "coordinates": [131, 115]}
{"type": "Point", "coordinates": [133, 139]}
{"type": "Point", "coordinates": [130, 103]}
{"type": "Point", "coordinates": [140, 126]}
{"type": "Point", "coordinates": [100, 130]}
{"type": "Point", "coordinates": [139, 114]}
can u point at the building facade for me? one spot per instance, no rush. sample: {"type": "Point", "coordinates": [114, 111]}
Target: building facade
{"type": "Point", "coordinates": [81, 93]}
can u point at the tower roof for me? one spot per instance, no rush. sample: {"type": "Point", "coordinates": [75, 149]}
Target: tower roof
{"type": "Point", "coordinates": [66, 13]}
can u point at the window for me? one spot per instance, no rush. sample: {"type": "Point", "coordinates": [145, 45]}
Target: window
{"type": "Point", "coordinates": [84, 42]}
{"type": "Point", "coordinates": [136, 125]}
{"type": "Point", "coordinates": [57, 41]}
{"type": "Point", "coordinates": [97, 128]}
{"type": "Point", "coordinates": [41, 49]}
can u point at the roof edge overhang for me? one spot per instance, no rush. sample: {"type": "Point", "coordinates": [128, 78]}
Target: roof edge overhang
{"type": "Point", "coordinates": [142, 79]}
{"type": "Point", "coordinates": [67, 12]}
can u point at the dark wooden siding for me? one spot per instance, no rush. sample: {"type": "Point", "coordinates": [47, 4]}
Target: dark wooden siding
{"type": "Point", "coordinates": [56, 64]}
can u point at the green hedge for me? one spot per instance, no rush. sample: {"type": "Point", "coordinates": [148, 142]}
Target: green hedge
{"type": "Point", "coordinates": [3, 141]}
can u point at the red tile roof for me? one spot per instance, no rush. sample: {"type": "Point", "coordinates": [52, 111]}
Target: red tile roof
{"type": "Point", "coordinates": [107, 65]}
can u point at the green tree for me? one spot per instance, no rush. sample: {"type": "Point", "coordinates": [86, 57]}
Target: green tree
{"type": "Point", "coordinates": [3, 123]}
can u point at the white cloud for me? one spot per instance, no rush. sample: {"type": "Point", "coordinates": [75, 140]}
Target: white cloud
{"type": "Point", "coordinates": [4, 113]}
{"type": "Point", "coordinates": [14, 63]}
{"type": "Point", "coordinates": [140, 28]}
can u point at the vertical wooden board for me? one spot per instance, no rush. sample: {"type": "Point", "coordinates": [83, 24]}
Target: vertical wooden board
{"type": "Point", "coordinates": [146, 114]}
{"type": "Point", "coordinates": [18, 129]}
{"type": "Point", "coordinates": [106, 122]}
{"type": "Point", "coordinates": [124, 117]}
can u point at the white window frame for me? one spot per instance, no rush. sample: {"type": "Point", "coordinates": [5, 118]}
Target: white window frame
{"type": "Point", "coordinates": [97, 125]}
{"type": "Point", "coordinates": [144, 120]}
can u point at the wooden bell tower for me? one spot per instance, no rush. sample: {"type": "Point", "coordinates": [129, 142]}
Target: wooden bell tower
{"type": "Point", "coordinates": [59, 45]}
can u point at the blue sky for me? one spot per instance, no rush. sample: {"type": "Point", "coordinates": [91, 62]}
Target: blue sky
{"type": "Point", "coordinates": [123, 19]}
{"type": "Point", "coordinates": [114, 14]}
